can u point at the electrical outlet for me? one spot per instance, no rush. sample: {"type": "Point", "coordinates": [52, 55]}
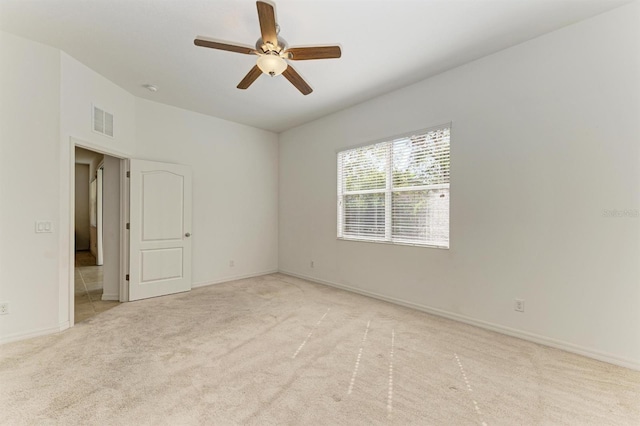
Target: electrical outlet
{"type": "Point", "coordinates": [312, 264]}
{"type": "Point", "coordinates": [4, 308]}
{"type": "Point", "coordinates": [232, 263]}
{"type": "Point", "coordinates": [519, 305]}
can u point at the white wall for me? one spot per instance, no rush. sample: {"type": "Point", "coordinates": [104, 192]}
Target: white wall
{"type": "Point", "coordinates": [235, 187]}
{"type": "Point", "coordinates": [82, 207]}
{"type": "Point", "coordinates": [214, 148]}
{"type": "Point", "coordinates": [80, 87]}
{"type": "Point", "coordinates": [29, 132]}
{"type": "Point", "coordinates": [46, 103]}
{"type": "Point", "coordinates": [544, 139]}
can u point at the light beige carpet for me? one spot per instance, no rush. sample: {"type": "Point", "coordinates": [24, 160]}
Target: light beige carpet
{"type": "Point", "coordinates": [279, 350]}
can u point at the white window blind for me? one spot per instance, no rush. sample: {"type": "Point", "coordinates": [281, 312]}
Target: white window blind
{"type": "Point", "coordinates": [396, 191]}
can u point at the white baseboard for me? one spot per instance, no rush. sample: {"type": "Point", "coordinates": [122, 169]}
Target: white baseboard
{"type": "Point", "coordinates": [114, 296]}
{"type": "Point", "coordinates": [532, 337]}
{"type": "Point", "coordinates": [232, 278]}
{"type": "Point", "coordinates": [34, 333]}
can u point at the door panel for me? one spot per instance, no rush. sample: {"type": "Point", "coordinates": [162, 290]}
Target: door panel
{"type": "Point", "coordinates": [162, 191]}
{"type": "Point", "coordinates": [161, 264]}
{"type": "Point", "coordinates": [160, 229]}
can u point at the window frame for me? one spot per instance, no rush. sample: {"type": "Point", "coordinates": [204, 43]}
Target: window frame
{"type": "Point", "coordinates": [388, 192]}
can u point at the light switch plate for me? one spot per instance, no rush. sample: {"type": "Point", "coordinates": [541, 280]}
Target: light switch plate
{"type": "Point", "coordinates": [44, 226]}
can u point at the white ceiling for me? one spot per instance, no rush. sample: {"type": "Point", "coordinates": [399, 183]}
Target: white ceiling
{"type": "Point", "coordinates": [386, 44]}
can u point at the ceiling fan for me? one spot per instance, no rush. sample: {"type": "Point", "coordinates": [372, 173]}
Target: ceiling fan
{"type": "Point", "coordinates": [273, 52]}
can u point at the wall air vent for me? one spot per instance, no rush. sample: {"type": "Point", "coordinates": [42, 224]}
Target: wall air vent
{"type": "Point", "coordinates": [102, 122]}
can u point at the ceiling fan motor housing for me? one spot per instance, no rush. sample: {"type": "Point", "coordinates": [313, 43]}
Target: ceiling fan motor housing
{"type": "Point", "coordinates": [263, 47]}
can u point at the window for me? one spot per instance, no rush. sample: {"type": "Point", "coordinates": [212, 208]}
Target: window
{"type": "Point", "coordinates": [396, 191]}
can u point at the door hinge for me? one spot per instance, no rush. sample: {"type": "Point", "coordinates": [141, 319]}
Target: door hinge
{"type": "Point", "coordinates": [128, 174]}
{"type": "Point", "coordinates": [127, 277]}
{"type": "Point", "coordinates": [127, 227]}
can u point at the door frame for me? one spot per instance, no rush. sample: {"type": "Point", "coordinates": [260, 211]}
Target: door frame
{"type": "Point", "coordinates": [124, 217]}
{"type": "Point", "coordinates": [99, 210]}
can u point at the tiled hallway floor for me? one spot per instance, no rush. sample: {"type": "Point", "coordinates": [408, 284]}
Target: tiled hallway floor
{"type": "Point", "coordinates": [88, 288]}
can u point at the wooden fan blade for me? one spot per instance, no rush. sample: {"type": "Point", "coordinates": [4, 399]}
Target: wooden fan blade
{"type": "Point", "coordinates": [267, 18]}
{"type": "Point", "coordinates": [320, 52]}
{"type": "Point", "coordinates": [295, 79]}
{"type": "Point", "coordinates": [250, 77]}
{"type": "Point", "coordinates": [224, 46]}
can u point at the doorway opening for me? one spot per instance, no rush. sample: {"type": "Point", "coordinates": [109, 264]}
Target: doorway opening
{"type": "Point", "coordinates": [142, 230]}
{"type": "Point", "coordinates": [97, 237]}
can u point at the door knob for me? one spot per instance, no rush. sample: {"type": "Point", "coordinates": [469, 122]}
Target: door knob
{"type": "Point", "coordinates": [188, 234]}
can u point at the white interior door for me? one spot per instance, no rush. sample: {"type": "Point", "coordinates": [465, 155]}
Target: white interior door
{"type": "Point", "coordinates": [160, 229]}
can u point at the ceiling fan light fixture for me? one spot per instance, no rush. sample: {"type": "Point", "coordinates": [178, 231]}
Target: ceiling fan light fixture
{"type": "Point", "coordinates": [272, 64]}
{"type": "Point", "coordinates": [273, 52]}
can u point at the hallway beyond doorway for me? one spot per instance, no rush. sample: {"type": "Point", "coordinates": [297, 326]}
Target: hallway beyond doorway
{"type": "Point", "coordinates": [88, 280]}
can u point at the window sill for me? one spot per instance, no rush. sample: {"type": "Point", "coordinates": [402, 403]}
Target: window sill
{"type": "Point", "coordinates": [393, 243]}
